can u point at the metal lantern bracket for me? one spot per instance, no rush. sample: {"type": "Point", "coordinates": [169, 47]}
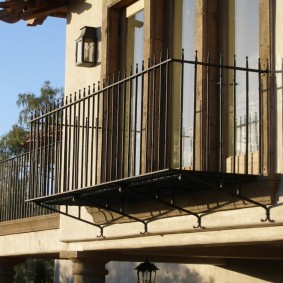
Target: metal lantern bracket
{"type": "Point", "coordinates": [86, 42]}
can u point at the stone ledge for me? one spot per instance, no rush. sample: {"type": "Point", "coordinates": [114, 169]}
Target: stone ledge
{"type": "Point", "coordinates": [32, 224]}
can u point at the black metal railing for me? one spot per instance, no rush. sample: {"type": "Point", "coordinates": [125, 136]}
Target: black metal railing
{"type": "Point", "coordinates": [14, 175]}
{"type": "Point", "coordinates": [174, 113]}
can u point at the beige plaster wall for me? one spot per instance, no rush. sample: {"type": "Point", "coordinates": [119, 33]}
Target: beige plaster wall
{"type": "Point", "coordinates": [225, 227]}
{"type": "Point", "coordinates": [279, 83]}
{"type": "Point", "coordinates": [79, 77]}
{"type": "Point", "coordinates": [34, 243]}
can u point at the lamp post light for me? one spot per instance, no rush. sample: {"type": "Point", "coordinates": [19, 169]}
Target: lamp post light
{"type": "Point", "coordinates": [146, 272]}
{"type": "Point", "coordinates": [86, 47]}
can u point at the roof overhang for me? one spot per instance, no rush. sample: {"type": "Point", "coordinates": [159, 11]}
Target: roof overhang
{"type": "Point", "coordinates": [34, 12]}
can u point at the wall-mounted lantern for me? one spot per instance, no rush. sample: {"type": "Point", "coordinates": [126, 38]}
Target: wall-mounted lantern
{"type": "Point", "coordinates": [86, 47]}
{"type": "Point", "coordinates": [146, 272]}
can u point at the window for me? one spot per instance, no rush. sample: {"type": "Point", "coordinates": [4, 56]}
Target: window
{"type": "Point", "coordinates": [243, 42]}
{"type": "Point", "coordinates": [134, 34]}
{"type": "Point", "coordinates": [184, 38]}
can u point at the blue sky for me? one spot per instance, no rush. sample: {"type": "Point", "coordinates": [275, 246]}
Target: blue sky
{"type": "Point", "coordinates": [28, 57]}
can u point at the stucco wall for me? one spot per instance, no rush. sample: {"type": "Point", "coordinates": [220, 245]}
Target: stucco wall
{"type": "Point", "coordinates": [278, 81]}
{"type": "Point", "coordinates": [79, 77]}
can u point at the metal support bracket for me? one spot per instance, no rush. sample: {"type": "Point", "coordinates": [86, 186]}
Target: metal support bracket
{"type": "Point", "coordinates": [120, 211]}
{"type": "Point", "coordinates": [74, 217]}
{"type": "Point", "coordinates": [266, 208]}
{"type": "Point", "coordinates": [237, 195]}
{"type": "Point", "coordinates": [172, 204]}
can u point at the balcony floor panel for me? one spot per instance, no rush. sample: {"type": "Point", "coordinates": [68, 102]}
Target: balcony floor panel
{"type": "Point", "coordinates": [161, 183]}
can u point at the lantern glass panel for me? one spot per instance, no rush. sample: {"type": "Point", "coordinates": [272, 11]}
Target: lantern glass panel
{"type": "Point", "coordinates": [88, 55]}
{"type": "Point", "coordinates": [79, 51]}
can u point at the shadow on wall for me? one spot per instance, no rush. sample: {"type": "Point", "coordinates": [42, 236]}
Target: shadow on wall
{"type": "Point", "coordinates": [122, 272]}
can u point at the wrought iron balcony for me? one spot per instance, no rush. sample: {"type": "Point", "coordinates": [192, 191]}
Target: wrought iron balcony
{"type": "Point", "coordinates": [14, 175]}
{"type": "Point", "coordinates": [172, 114]}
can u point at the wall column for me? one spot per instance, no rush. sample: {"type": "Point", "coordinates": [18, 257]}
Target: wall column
{"type": "Point", "coordinates": [89, 270]}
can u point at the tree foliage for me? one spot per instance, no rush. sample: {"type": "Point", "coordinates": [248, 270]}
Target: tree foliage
{"type": "Point", "coordinates": [29, 102]}
{"type": "Point", "coordinates": [12, 143]}
{"type": "Point", "coordinates": [15, 141]}
{"type": "Point", "coordinates": [35, 271]}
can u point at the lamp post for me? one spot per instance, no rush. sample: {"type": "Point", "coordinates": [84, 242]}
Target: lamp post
{"type": "Point", "coordinates": [86, 47]}
{"type": "Point", "coordinates": [146, 272]}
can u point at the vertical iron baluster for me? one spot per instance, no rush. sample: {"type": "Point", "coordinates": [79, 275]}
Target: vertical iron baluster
{"type": "Point", "coordinates": [260, 114]}
{"type": "Point", "coordinates": [220, 116]}
{"type": "Point", "coordinates": [26, 172]}
{"type": "Point", "coordinates": [5, 189]}
{"type": "Point", "coordinates": [268, 113]}
{"type": "Point", "coordinates": [82, 141]}
{"type": "Point", "coordinates": [65, 148]}
{"type": "Point", "coordinates": [130, 122]}
{"type": "Point", "coordinates": [36, 189]}
{"type": "Point", "coordinates": [41, 141]}
{"type": "Point", "coordinates": [111, 150]}
{"type": "Point", "coordinates": [107, 132]}
{"type": "Point", "coordinates": [166, 113]}
{"type": "Point", "coordinates": [153, 114]}
{"type": "Point", "coordinates": [118, 129]}
{"type": "Point", "coordinates": [195, 110]}
{"type": "Point", "coordinates": [61, 164]}
{"type": "Point", "coordinates": [89, 140]}
{"type": "Point", "coordinates": [77, 151]}
{"type": "Point", "coordinates": [18, 196]}
{"type": "Point", "coordinates": [142, 114]}
{"type": "Point", "coordinates": [86, 151]}
{"type": "Point", "coordinates": [11, 179]}
{"type": "Point", "coordinates": [135, 120]}
{"type": "Point", "coordinates": [103, 129]}
{"type": "Point", "coordinates": [158, 139]}
{"type": "Point", "coordinates": [147, 131]}
{"type": "Point", "coordinates": [247, 118]}
{"type": "Point", "coordinates": [31, 156]}
{"type": "Point", "coordinates": [97, 132]}
{"type": "Point", "coordinates": [49, 125]}
{"type": "Point", "coordinates": [59, 127]}
{"type": "Point", "coordinates": [234, 114]}
{"type": "Point", "coordinates": [70, 128]}
{"type": "Point", "coordinates": [45, 148]}
{"type": "Point", "coordinates": [207, 146]}
{"type": "Point", "coordinates": [53, 147]}
{"type": "Point", "coordinates": [15, 177]}
{"type": "Point", "coordinates": [181, 112]}
{"type": "Point", "coordinates": [92, 119]}
{"type": "Point", "coordinates": [123, 141]}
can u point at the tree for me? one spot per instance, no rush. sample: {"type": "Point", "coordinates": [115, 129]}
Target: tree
{"type": "Point", "coordinates": [12, 143]}
{"type": "Point", "coordinates": [35, 271]}
{"type": "Point", "coordinates": [30, 102]}
{"type": "Point", "coordinates": [15, 141]}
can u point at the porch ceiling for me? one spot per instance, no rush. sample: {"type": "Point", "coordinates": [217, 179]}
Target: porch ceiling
{"type": "Point", "coordinates": [33, 11]}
